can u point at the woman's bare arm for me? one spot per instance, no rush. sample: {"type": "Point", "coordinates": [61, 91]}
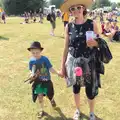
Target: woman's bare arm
{"type": "Point", "coordinates": [96, 30]}
{"type": "Point", "coordinates": [65, 52]}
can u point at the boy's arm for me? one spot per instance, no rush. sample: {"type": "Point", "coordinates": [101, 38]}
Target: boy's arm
{"type": "Point", "coordinates": [52, 70]}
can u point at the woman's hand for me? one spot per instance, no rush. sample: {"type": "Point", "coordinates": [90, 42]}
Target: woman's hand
{"type": "Point", "coordinates": [92, 43]}
{"type": "Point", "coordinates": [63, 72]}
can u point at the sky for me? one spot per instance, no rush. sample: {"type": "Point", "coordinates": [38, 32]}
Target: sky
{"type": "Point", "coordinates": [110, 0]}
{"type": "Point", "coordinates": [115, 0]}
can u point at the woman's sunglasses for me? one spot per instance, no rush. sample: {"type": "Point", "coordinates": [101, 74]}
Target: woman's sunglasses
{"type": "Point", "coordinates": [76, 8]}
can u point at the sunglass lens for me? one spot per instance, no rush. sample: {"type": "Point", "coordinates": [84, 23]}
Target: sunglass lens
{"type": "Point", "coordinates": [72, 9]}
{"type": "Point", "coordinates": [79, 8]}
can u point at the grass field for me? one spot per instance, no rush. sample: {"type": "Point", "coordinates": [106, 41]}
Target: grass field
{"type": "Point", "coordinates": [15, 96]}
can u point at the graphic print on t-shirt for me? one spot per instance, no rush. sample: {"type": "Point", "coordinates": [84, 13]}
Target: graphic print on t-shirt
{"type": "Point", "coordinates": [43, 71]}
{"type": "Point", "coordinates": [42, 67]}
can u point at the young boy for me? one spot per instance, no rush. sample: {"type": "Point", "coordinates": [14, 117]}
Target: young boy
{"type": "Point", "coordinates": [42, 84]}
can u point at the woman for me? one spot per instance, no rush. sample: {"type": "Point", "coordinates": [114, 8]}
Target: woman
{"type": "Point", "coordinates": [77, 46]}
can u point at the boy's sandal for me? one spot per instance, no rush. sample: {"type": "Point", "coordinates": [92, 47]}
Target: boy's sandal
{"type": "Point", "coordinates": [53, 103]}
{"type": "Point", "coordinates": [40, 114]}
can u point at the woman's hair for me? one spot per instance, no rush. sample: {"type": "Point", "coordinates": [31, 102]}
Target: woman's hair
{"type": "Point", "coordinates": [85, 12]}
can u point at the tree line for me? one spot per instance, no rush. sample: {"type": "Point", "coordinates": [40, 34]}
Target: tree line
{"type": "Point", "coordinates": [16, 7]}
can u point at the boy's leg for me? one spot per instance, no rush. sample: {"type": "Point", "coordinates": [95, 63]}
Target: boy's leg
{"type": "Point", "coordinates": [50, 93]}
{"type": "Point", "coordinates": [40, 98]}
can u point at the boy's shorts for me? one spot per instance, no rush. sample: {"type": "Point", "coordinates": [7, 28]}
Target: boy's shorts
{"type": "Point", "coordinates": [45, 88]}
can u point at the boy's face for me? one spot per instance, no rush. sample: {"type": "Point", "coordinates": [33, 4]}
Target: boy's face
{"type": "Point", "coordinates": [36, 53]}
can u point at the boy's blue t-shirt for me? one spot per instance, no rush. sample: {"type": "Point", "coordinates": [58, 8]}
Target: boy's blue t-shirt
{"type": "Point", "coordinates": [43, 65]}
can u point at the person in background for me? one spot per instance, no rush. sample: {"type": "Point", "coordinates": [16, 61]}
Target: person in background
{"type": "Point", "coordinates": [31, 15]}
{"type": "Point", "coordinates": [115, 31]}
{"type": "Point", "coordinates": [65, 19]}
{"type": "Point", "coordinates": [58, 14]}
{"type": "Point", "coordinates": [101, 17]}
{"type": "Point", "coordinates": [26, 17]}
{"type": "Point", "coordinates": [110, 17]}
{"type": "Point", "coordinates": [114, 25]}
{"type": "Point", "coordinates": [102, 26]}
{"type": "Point", "coordinates": [108, 31]}
{"type": "Point", "coordinates": [94, 15]}
{"type": "Point", "coordinates": [4, 17]}
{"type": "Point", "coordinates": [41, 16]}
{"type": "Point", "coordinates": [34, 17]}
{"type": "Point", "coordinates": [52, 19]}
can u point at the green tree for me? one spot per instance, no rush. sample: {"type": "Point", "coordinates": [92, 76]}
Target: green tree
{"type": "Point", "coordinates": [114, 5]}
{"type": "Point", "coordinates": [19, 6]}
{"type": "Point", "coordinates": [119, 4]}
{"type": "Point", "coordinates": [56, 2]}
{"type": "Point", "coordinates": [0, 3]}
{"type": "Point", "coordinates": [101, 3]}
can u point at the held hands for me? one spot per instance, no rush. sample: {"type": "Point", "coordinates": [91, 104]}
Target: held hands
{"type": "Point", "coordinates": [92, 43]}
{"type": "Point", "coordinates": [62, 73]}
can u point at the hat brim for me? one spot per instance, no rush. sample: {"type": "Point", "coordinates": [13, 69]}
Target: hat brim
{"type": "Point", "coordinates": [35, 48]}
{"type": "Point", "coordinates": [68, 3]}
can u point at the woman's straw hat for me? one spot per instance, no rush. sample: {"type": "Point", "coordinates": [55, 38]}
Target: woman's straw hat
{"type": "Point", "coordinates": [68, 3]}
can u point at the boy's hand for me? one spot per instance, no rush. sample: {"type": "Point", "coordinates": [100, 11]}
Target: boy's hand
{"type": "Point", "coordinates": [33, 77]}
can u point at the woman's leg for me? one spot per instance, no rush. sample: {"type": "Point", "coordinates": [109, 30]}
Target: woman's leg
{"type": "Point", "coordinates": [91, 105]}
{"type": "Point", "coordinates": [77, 100]}
{"type": "Point", "coordinates": [91, 100]}
{"type": "Point", "coordinates": [76, 90]}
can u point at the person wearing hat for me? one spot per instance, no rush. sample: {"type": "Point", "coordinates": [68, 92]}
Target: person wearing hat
{"type": "Point", "coordinates": [41, 66]}
{"type": "Point", "coordinates": [77, 46]}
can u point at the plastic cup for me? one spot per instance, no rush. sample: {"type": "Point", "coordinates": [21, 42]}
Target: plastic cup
{"type": "Point", "coordinates": [89, 35]}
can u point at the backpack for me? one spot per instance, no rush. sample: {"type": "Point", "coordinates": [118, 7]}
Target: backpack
{"type": "Point", "coordinates": [48, 17]}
